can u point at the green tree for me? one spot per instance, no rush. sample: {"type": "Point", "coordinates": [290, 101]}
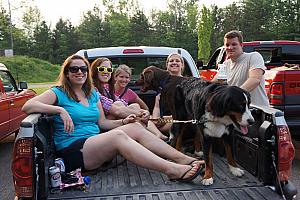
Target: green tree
{"type": "Point", "coordinates": [91, 30]}
{"type": "Point", "coordinates": [65, 41]}
{"type": "Point", "coordinates": [217, 34]}
{"type": "Point", "coordinates": [139, 29]}
{"type": "Point", "coordinates": [30, 20]}
{"type": "Point", "coordinates": [257, 16]}
{"type": "Point", "coordinates": [286, 19]}
{"type": "Point", "coordinates": [177, 26]}
{"type": "Point", "coordinates": [4, 30]}
{"type": "Point", "coordinates": [188, 38]}
{"type": "Point", "coordinates": [117, 27]}
{"type": "Point", "coordinates": [18, 37]}
{"type": "Point", "coordinates": [204, 34]}
{"type": "Point", "coordinates": [42, 46]}
{"type": "Point", "coordinates": [163, 31]}
{"type": "Point", "coordinates": [117, 23]}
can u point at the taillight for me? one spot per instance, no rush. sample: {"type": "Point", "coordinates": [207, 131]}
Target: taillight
{"type": "Point", "coordinates": [126, 51]}
{"type": "Point", "coordinates": [286, 152]}
{"type": "Point", "coordinates": [22, 167]}
{"type": "Point", "coordinates": [276, 94]}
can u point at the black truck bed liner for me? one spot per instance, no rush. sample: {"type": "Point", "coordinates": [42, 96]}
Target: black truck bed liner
{"type": "Point", "coordinates": [128, 181]}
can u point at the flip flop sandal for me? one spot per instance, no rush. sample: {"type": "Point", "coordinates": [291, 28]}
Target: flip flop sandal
{"type": "Point", "coordinates": [181, 179]}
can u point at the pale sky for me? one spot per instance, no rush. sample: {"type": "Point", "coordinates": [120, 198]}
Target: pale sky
{"type": "Point", "coordinates": [73, 10]}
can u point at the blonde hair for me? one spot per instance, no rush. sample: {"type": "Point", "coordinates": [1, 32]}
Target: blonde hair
{"type": "Point", "coordinates": [181, 59]}
{"type": "Point", "coordinates": [64, 82]}
{"type": "Point", "coordinates": [124, 68]}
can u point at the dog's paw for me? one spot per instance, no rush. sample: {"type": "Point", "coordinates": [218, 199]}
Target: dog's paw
{"type": "Point", "coordinates": [199, 153]}
{"type": "Point", "coordinates": [208, 181]}
{"type": "Point", "coordinates": [236, 171]}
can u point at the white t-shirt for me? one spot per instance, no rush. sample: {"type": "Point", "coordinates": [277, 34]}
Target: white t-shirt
{"type": "Point", "coordinates": [238, 73]}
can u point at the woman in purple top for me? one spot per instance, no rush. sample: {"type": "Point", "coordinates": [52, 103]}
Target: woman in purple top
{"type": "Point", "coordinates": [118, 106]}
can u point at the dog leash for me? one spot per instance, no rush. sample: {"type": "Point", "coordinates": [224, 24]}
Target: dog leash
{"type": "Point", "coordinates": [162, 120]}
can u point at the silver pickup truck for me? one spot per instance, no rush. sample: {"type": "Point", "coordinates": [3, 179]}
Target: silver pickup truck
{"type": "Point", "coordinates": [265, 154]}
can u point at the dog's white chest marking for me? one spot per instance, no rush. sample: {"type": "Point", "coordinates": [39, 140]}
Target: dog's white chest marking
{"type": "Point", "coordinates": [216, 127]}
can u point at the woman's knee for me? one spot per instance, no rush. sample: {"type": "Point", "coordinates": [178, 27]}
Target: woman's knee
{"type": "Point", "coordinates": [119, 104]}
{"type": "Point", "coordinates": [119, 135]}
{"type": "Point", "coordinates": [136, 131]}
{"type": "Point", "coordinates": [134, 106]}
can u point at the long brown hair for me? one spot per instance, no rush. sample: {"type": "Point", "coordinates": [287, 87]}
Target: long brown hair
{"type": "Point", "coordinates": [64, 82]}
{"type": "Point", "coordinates": [97, 83]}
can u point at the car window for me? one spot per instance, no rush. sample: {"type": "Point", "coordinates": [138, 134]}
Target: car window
{"type": "Point", "coordinates": [277, 55]}
{"type": "Point", "coordinates": [8, 82]}
{"type": "Point", "coordinates": [291, 54]}
{"type": "Point", "coordinates": [212, 63]}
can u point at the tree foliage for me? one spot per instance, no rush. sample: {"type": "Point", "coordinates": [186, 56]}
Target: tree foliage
{"type": "Point", "coordinates": [4, 29]}
{"type": "Point", "coordinates": [204, 34]}
{"type": "Point", "coordinates": [123, 23]}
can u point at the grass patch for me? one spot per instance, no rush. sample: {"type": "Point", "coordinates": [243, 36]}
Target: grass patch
{"type": "Point", "coordinates": [50, 82]}
{"type": "Point", "coordinates": [40, 90]}
{"type": "Point", "coordinates": [31, 70]}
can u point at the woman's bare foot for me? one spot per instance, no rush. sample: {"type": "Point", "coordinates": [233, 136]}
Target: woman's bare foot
{"type": "Point", "coordinates": [187, 160]}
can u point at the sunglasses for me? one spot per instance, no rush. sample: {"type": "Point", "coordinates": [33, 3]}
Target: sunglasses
{"type": "Point", "coordinates": [105, 69]}
{"type": "Point", "coordinates": [75, 69]}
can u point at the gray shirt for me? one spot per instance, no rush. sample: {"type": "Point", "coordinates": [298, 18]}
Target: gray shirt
{"type": "Point", "coordinates": [238, 73]}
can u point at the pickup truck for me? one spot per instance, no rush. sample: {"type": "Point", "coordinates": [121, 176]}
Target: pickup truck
{"type": "Point", "coordinates": [265, 154]}
{"type": "Point", "coordinates": [12, 98]}
{"type": "Point", "coordinates": [282, 59]}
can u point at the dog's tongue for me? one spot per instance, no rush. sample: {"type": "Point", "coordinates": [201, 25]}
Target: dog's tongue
{"type": "Point", "coordinates": [244, 129]}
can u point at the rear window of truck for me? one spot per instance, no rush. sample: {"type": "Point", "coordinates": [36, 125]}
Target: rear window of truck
{"type": "Point", "coordinates": [277, 55]}
{"type": "Point", "coordinates": [137, 64]}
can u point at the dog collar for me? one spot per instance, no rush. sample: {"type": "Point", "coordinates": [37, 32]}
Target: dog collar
{"type": "Point", "coordinates": [162, 84]}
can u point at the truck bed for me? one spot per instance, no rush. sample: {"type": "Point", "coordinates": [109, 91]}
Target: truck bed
{"type": "Point", "coordinates": [128, 181]}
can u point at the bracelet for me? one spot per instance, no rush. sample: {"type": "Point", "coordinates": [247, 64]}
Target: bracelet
{"type": "Point", "coordinates": [123, 121]}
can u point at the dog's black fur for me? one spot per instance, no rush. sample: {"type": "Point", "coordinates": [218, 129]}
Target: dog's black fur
{"type": "Point", "coordinates": [214, 105]}
{"type": "Point", "coordinates": [163, 82]}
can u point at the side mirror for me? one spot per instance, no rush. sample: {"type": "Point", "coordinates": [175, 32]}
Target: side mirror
{"type": "Point", "coordinates": [23, 85]}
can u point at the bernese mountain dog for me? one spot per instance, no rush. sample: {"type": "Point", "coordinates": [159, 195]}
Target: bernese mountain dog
{"type": "Point", "coordinates": [213, 106]}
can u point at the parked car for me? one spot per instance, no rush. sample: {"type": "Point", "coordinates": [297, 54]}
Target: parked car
{"type": "Point", "coordinates": [282, 59]}
{"type": "Point", "coordinates": [266, 153]}
{"type": "Point", "coordinates": [12, 98]}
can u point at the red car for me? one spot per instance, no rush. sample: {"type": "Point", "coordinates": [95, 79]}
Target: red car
{"type": "Point", "coordinates": [12, 98]}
